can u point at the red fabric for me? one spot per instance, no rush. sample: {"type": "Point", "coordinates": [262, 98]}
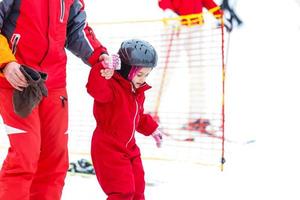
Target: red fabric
{"type": "Point", "coordinates": [94, 58]}
{"type": "Point", "coordinates": [116, 104]}
{"type": "Point", "coordinates": [43, 37]}
{"type": "Point", "coordinates": [118, 111]}
{"type": "Point", "coordinates": [119, 170]}
{"type": "Point", "coordinates": [37, 160]}
{"type": "Point", "coordinates": [187, 7]}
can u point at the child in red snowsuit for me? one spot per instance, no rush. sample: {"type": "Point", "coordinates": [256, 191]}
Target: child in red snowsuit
{"type": "Point", "coordinates": [119, 113]}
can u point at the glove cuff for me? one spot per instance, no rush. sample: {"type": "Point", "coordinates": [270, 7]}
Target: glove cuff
{"type": "Point", "coordinates": [25, 101]}
{"type": "Point", "coordinates": [31, 75]}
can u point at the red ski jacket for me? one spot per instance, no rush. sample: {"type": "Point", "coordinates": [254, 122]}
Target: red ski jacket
{"type": "Point", "coordinates": [187, 7]}
{"type": "Point", "coordinates": [39, 31]}
{"type": "Point", "coordinates": [118, 108]}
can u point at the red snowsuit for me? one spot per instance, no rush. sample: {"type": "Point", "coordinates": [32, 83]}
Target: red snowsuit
{"type": "Point", "coordinates": [38, 33]}
{"type": "Point", "coordinates": [118, 110]}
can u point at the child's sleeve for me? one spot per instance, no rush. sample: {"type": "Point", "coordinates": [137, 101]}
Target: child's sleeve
{"type": "Point", "coordinates": [147, 125]}
{"type": "Point", "coordinates": [6, 56]}
{"type": "Point", "coordinates": [98, 87]}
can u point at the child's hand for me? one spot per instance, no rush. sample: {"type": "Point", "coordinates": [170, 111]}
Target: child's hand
{"type": "Point", "coordinates": [157, 136]}
{"type": "Point", "coordinates": [107, 73]}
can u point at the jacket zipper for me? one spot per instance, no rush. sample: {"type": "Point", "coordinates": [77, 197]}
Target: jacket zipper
{"type": "Point", "coordinates": [63, 100]}
{"type": "Point", "coordinates": [62, 10]}
{"type": "Point", "coordinates": [15, 40]}
{"type": "Point", "coordinates": [133, 130]}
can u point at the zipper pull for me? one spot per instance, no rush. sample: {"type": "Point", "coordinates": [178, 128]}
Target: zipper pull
{"type": "Point", "coordinates": [63, 99]}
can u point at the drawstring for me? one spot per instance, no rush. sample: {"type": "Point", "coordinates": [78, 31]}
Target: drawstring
{"type": "Point", "coordinates": [63, 99]}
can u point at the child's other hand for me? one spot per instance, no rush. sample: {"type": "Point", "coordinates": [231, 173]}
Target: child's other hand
{"type": "Point", "coordinates": [157, 136]}
{"type": "Point", "coordinates": [107, 73]}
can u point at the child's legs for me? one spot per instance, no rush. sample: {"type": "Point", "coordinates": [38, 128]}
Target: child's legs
{"type": "Point", "coordinates": [113, 170]}
{"type": "Point", "coordinates": [139, 179]}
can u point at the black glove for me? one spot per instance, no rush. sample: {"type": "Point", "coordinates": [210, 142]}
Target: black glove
{"type": "Point", "coordinates": [25, 101]}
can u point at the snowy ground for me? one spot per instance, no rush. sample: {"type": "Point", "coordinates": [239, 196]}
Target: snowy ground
{"type": "Point", "coordinates": [261, 103]}
{"type": "Point", "coordinates": [262, 83]}
{"type": "Point", "coordinates": [181, 180]}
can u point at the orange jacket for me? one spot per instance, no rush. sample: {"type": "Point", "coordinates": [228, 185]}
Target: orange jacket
{"type": "Point", "coordinates": [6, 55]}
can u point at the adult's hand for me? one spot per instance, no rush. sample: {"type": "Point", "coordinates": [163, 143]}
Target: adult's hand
{"type": "Point", "coordinates": [14, 76]}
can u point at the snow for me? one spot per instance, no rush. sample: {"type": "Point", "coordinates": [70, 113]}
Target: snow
{"type": "Point", "coordinates": [261, 103]}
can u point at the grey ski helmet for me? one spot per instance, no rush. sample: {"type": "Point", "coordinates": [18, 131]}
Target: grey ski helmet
{"type": "Point", "coordinates": [136, 52]}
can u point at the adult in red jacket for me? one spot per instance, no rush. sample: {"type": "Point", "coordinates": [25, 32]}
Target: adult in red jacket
{"type": "Point", "coordinates": [118, 110]}
{"type": "Point", "coordinates": [188, 7]}
{"type": "Point", "coordinates": [38, 33]}
{"type": "Point", "coordinates": [190, 42]}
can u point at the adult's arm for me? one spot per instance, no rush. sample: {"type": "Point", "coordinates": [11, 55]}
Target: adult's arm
{"type": "Point", "coordinates": [5, 8]}
{"type": "Point", "coordinates": [81, 39]}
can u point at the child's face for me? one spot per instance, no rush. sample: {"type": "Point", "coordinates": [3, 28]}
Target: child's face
{"type": "Point", "coordinates": [140, 77]}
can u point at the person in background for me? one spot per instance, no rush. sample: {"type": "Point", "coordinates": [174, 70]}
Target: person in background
{"type": "Point", "coordinates": [175, 8]}
{"type": "Point", "coordinates": [188, 46]}
{"type": "Point", "coordinates": [119, 113]}
{"type": "Point", "coordinates": [35, 34]}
